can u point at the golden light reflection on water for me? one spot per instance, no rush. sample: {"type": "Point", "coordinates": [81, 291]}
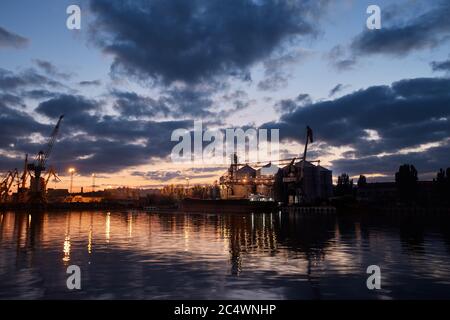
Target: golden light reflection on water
{"type": "Point", "coordinates": [66, 249]}
{"type": "Point", "coordinates": [130, 224]}
{"type": "Point", "coordinates": [66, 244]}
{"type": "Point", "coordinates": [90, 239]}
{"type": "Point", "coordinates": [259, 246]}
{"type": "Point", "coordinates": [108, 226]}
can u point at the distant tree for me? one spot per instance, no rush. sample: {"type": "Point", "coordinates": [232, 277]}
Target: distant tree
{"type": "Point", "coordinates": [442, 185]}
{"type": "Point", "coordinates": [406, 179]}
{"type": "Point", "coordinates": [344, 185]}
{"type": "Point", "coordinates": [362, 181]}
{"type": "Point", "coordinates": [198, 192]}
{"type": "Point", "coordinates": [159, 199]}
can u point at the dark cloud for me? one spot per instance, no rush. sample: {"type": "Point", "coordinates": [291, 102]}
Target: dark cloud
{"type": "Point", "coordinates": [441, 65]}
{"type": "Point", "coordinates": [39, 94]}
{"type": "Point", "coordinates": [159, 175]}
{"type": "Point", "coordinates": [287, 106]}
{"type": "Point", "coordinates": [176, 102]}
{"type": "Point", "coordinates": [426, 30]}
{"type": "Point", "coordinates": [87, 140]}
{"type": "Point", "coordinates": [10, 81]}
{"type": "Point", "coordinates": [277, 70]}
{"type": "Point", "coordinates": [10, 39]}
{"type": "Point", "coordinates": [88, 83]}
{"type": "Point", "coordinates": [70, 105]}
{"type": "Point", "coordinates": [338, 88]}
{"type": "Point", "coordinates": [235, 95]}
{"type": "Point", "coordinates": [273, 82]}
{"type": "Point", "coordinates": [304, 98]}
{"type": "Point", "coordinates": [130, 104]}
{"type": "Point", "coordinates": [427, 163]}
{"type": "Point", "coordinates": [112, 143]}
{"type": "Point", "coordinates": [208, 169]}
{"type": "Point", "coordinates": [167, 175]}
{"type": "Point", "coordinates": [405, 29]}
{"type": "Point", "coordinates": [190, 101]}
{"type": "Point", "coordinates": [407, 114]}
{"type": "Point", "coordinates": [14, 125]}
{"type": "Point", "coordinates": [50, 69]}
{"type": "Point", "coordinates": [197, 40]}
{"type": "Point", "coordinates": [422, 87]}
{"type": "Point", "coordinates": [11, 100]}
{"type": "Point", "coordinates": [340, 58]}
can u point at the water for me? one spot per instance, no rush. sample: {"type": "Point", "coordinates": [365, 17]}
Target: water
{"type": "Point", "coordinates": [137, 255]}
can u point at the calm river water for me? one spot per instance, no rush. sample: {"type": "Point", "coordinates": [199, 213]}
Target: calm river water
{"type": "Point", "coordinates": [138, 255]}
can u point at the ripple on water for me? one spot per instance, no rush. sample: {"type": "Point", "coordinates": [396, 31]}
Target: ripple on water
{"type": "Point", "coordinates": [139, 255]}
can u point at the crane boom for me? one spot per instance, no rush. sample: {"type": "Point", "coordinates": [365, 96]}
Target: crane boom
{"type": "Point", "coordinates": [37, 185]}
{"type": "Point", "coordinates": [25, 173]}
{"type": "Point", "coordinates": [51, 141]}
{"type": "Point", "coordinates": [7, 184]}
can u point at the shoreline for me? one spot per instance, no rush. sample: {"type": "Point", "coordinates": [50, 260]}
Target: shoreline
{"type": "Point", "coordinates": [235, 206]}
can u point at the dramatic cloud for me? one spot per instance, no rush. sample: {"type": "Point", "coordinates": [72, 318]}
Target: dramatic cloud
{"type": "Point", "coordinates": [39, 94]}
{"type": "Point", "coordinates": [89, 139]}
{"type": "Point", "coordinates": [10, 39]}
{"type": "Point", "coordinates": [191, 41]}
{"type": "Point", "coordinates": [50, 69]}
{"type": "Point", "coordinates": [88, 83]}
{"type": "Point", "coordinates": [427, 30]}
{"type": "Point", "coordinates": [441, 65]}
{"type": "Point", "coordinates": [15, 124]}
{"type": "Point", "coordinates": [407, 114]}
{"type": "Point", "coordinates": [178, 102]}
{"type": "Point", "coordinates": [405, 29]}
{"type": "Point", "coordinates": [92, 143]}
{"type": "Point", "coordinates": [340, 58]}
{"type": "Point", "coordinates": [338, 88]}
{"type": "Point", "coordinates": [27, 78]}
{"type": "Point", "coordinates": [11, 100]}
{"type": "Point", "coordinates": [73, 106]}
{"type": "Point", "coordinates": [288, 106]}
{"type": "Point", "coordinates": [427, 163]}
{"type": "Point", "coordinates": [168, 175]}
{"type": "Point", "coordinates": [111, 144]}
{"type": "Point", "coordinates": [130, 104]}
{"type": "Point", "coordinates": [162, 176]}
{"type": "Point", "coordinates": [276, 75]}
{"type": "Point", "coordinates": [273, 82]}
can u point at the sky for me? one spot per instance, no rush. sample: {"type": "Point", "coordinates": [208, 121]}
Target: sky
{"type": "Point", "coordinates": [138, 70]}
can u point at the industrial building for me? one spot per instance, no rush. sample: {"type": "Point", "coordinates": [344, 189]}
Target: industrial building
{"type": "Point", "coordinates": [304, 182]}
{"type": "Point", "coordinates": [286, 185]}
{"type": "Point", "coordinates": [241, 181]}
{"type": "Point", "coordinates": [299, 182]}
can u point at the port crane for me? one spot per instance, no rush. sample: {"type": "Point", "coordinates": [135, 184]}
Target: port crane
{"type": "Point", "coordinates": [296, 177]}
{"type": "Point", "coordinates": [38, 183]}
{"type": "Point", "coordinates": [7, 183]}
{"type": "Point", "coordinates": [51, 172]}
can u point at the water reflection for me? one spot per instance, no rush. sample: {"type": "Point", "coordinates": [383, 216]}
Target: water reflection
{"type": "Point", "coordinates": [274, 255]}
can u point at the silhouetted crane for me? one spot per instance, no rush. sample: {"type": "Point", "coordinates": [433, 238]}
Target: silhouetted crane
{"type": "Point", "coordinates": [38, 184]}
{"type": "Point", "coordinates": [6, 184]}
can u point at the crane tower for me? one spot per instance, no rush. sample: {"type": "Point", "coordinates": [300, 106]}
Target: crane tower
{"type": "Point", "coordinates": [38, 183]}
